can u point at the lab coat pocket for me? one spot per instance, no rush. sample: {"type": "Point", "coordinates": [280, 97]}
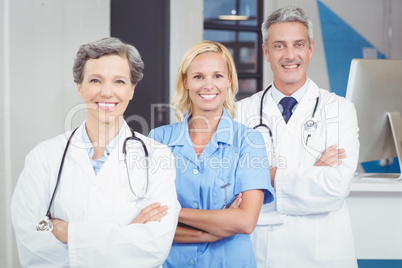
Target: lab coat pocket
{"type": "Point", "coordinates": [313, 145]}
{"type": "Point", "coordinates": [223, 194]}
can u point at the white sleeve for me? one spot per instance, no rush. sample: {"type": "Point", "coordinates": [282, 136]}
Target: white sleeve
{"type": "Point", "coordinates": [310, 189]}
{"type": "Point", "coordinates": [105, 244]}
{"type": "Point", "coordinates": [28, 206]}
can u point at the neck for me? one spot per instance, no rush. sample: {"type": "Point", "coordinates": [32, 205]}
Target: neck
{"type": "Point", "coordinates": [287, 88]}
{"type": "Point", "coordinates": [205, 122]}
{"type": "Point", "coordinates": [101, 134]}
{"type": "Point", "coordinates": [201, 129]}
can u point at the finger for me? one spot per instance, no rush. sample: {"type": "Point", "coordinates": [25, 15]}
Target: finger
{"type": "Point", "coordinates": [334, 146]}
{"type": "Point", "coordinates": [236, 203]}
{"type": "Point", "coordinates": [150, 208]}
{"type": "Point", "coordinates": [156, 214]}
{"type": "Point", "coordinates": [342, 156]}
{"type": "Point", "coordinates": [341, 151]}
{"type": "Point", "coordinates": [145, 212]}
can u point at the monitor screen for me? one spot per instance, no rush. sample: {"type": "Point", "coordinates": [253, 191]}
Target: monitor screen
{"type": "Point", "coordinates": [375, 88]}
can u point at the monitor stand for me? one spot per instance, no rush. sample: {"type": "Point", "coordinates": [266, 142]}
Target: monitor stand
{"type": "Point", "coordinates": [395, 121]}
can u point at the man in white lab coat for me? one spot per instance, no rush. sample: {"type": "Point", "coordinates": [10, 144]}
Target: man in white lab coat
{"type": "Point", "coordinates": [313, 148]}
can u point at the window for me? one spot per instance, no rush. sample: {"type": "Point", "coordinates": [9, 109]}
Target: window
{"type": "Point", "coordinates": [237, 25]}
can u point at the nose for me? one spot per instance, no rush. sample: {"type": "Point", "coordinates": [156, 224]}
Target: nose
{"type": "Point", "coordinates": [209, 83]}
{"type": "Point", "coordinates": [106, 90]}
{"type": "Point", "coordinates": [290, 54]}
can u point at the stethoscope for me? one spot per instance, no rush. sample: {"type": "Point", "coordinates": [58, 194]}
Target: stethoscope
{"type": "Point", "coordinates": [47, 225]}
{"type": "Point", "coordinates": [310, 125]}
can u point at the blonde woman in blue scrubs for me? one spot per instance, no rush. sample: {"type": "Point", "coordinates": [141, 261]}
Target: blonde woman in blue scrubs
{"type": "Point", "coordinates": [221, 165]}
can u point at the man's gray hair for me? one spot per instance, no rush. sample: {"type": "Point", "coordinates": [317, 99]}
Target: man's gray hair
{"type": "Point", "coordinates": [104, 47]}
{"type": "Point", "coordinates": [287, 14]}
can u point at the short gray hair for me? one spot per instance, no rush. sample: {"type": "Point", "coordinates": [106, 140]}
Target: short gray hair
{"type": "Point", "coordinates": [287, 14]}
{"type": "Point", "coordinates": [104, 47]}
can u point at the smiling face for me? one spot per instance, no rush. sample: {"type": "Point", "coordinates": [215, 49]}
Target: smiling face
{"type": "Point", "coordinates": [288, 53]}
{"type": "Point", "coordinates": [106, 89]}
{"type": "Point", "coordinates": [207, 80]}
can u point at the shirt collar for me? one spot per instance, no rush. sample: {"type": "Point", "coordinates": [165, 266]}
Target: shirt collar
{"type": "Point", "coordinates": [224, 132]}
{"type": "Point", "coordinates": [109, 148]}
{"type": "Point", "coordinates": [298, 95]}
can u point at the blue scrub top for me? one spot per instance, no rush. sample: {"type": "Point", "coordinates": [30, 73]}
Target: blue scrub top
{"type": "Point", "coordinates": [236, 157]}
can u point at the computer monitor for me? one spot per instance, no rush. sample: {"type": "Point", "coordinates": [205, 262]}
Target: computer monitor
{"type": "Point", "coordinates": [375, 88]}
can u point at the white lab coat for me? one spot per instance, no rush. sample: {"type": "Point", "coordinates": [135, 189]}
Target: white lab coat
{"type": "Point", "coordinates": [308, 225]}
{"type": "Point", "coordinates": [98, 208]}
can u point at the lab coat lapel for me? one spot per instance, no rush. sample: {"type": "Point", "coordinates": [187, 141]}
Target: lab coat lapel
{"type": "Point", "coordinates": [271, 113]}
{"type": "Point", "coordinates": [116, 156]}
{"type": "Point", "coordinates": [78, 152]}
{"type": "Point", "coordinates": [306, 106]}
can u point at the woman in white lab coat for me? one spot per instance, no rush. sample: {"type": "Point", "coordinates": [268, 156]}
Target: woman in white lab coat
{"type": "Point", "coordinates": [108, 211]}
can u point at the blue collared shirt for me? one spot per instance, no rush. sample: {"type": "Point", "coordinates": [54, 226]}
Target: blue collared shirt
{"type": "Point", "coordinates": [97, 164]}
{"type": "Point", "coordinates": [298, 95]}
{"type": "Point", "coordinates": [234, 161]}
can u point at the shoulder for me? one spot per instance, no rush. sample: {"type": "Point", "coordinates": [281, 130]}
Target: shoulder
{"type": "Point", "coordinates": [248, 107]}
{"type": "Point", "coordinates": [256, 97]}
{"type": "Point", "coordinates": [246, 136]}
{"type": "Point", "coordinates": [51, 146]}
{"type": "Point", "coordinates": [165, 134]}
{"type": "Point", "coordinates": [154, 147]}
{"type": "Point", "coordinates": [332, 101]}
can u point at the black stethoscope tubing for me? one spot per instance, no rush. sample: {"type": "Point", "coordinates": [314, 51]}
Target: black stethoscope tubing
{"type": "Point", "coordinates": [310, 124]}
{"type": "Point", "coordinates": [59, 174]}
{"type": "Point", "coordinates": [46, 225]}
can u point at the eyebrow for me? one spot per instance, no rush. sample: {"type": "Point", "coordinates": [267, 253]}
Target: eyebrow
{"type": "Point", "coordinates": [294, 41]}
{"type": "Point", "coordinates": [113, 77]}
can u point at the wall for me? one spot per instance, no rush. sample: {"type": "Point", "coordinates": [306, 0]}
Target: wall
{"type": "Point", "coordinates": [186, 29]}
{"type": "Point", "coordinates": [39, 42]}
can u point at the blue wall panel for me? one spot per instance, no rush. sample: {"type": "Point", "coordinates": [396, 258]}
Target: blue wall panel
{"type": "Point", "coordinates": [380, 263]}
{"type": "Point", "coordinates": [341, 44]}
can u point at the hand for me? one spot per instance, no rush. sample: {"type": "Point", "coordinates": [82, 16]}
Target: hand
{"type": "Point", "coordinates": [236, 203]}
{"type": "Point", "coordinates": [60, 230]}
{"type": "Point", "coordinates": [331, 157]}
{"type": "Point", "coordinates": [272, 172]}
{"type": "Point", "coordinates": [153, 212]}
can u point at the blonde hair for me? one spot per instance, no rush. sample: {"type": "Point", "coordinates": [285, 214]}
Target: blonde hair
{"type": "Point", "coordinates": [181, 100]}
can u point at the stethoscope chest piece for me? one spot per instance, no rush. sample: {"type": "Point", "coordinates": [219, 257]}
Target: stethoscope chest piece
{"type": "Point", "coordinates": [310, 125]}
{"type": "Point", "coordinates": [45, 225]}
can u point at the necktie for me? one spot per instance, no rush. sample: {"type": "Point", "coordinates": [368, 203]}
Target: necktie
{"type": "Point", "coordinates": [287, 103]}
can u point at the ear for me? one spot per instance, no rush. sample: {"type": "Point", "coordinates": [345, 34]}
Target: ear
{"type": "Point", "coordinates": [311, 50]}
{"type": "Point", "coordinates": [185, 82]}
{"type": "Point", "coordinates": [266, 53]}
{"type": "Point", "coordinates": [80, 93]}
{"type": "Point", "coordinates": [132, 91]}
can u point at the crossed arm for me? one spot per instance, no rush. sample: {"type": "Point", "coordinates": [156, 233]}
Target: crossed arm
{"type": "Point", "coordinates": [153, 212]}
{"type": "Point", "coordinates": [331, 157]}
{"type": "Point", "coordinates": [198, 226]}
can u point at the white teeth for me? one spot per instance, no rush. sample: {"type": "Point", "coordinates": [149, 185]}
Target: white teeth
{"type": "Point", "coordinates": [289, 66]}
{"type": "Point", "coordinates": [208, 97]}
{"type": "Point", "coordinates": [106, 104]}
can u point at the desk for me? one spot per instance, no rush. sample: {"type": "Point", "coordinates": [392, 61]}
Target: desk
{"type": "Point", "coordinates": [376, 217]}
